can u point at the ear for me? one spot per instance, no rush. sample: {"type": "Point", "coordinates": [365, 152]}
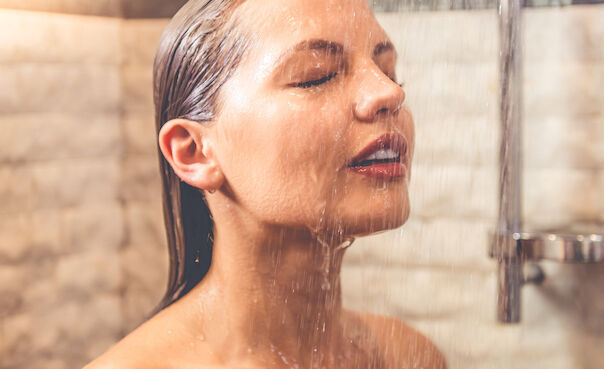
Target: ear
{"type": "Point", "coordinates": [186, 146]}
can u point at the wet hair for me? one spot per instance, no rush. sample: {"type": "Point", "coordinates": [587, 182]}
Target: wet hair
{"type": "Point", "coordinates": [198, 52]}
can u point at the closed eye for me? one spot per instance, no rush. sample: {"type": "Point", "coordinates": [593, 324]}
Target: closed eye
{"type": "Point", "coordinates": [316, 82]}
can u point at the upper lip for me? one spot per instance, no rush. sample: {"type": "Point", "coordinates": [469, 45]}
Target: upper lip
{"type": "Point", "coordinates": [393, 141]}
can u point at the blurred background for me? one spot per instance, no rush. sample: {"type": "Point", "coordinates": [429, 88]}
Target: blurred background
{"type": "Point", "coordinates": [83, 254]}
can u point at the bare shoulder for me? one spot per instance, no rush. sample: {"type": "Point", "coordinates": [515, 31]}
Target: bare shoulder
{"type": "Point", "coordinates": [402, 345]}
{"type": "Point", "coordinates": [143, 348]}
{"type": "Point", "coordinates": [124, 355]}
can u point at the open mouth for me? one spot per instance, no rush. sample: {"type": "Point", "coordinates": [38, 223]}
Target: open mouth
{"type": "Point", "coordinates": [388, 148]}
{"type": "Point", "coordinates": [379, 157]}
{"type": "Point", "coordinates": [382, 158]}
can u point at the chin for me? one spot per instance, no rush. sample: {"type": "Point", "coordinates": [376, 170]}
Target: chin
{"type": "Point", "coordinates": [376, 217]}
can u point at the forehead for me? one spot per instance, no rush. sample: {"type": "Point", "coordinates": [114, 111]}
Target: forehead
{"type": "Point", "coordinates": [286, 22]}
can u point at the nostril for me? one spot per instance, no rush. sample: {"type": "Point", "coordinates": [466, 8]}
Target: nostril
{"type": "Point", "coordinates": [382, 111]}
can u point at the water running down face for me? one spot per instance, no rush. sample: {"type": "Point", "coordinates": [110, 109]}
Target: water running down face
{"type": "Point", "coordinates": [312, 131]}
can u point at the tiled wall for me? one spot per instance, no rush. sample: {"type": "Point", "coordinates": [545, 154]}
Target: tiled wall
{"type": "Point", "coordinates": [61, 219]}
{"type": "Point", "coordinates": [434, 272]}
{"type": "Point", "coordinates": [105, 8]}
{"type": "Point", "coordinates": [82, 249]}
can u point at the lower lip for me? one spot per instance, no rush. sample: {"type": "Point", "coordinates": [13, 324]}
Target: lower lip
{"type": "Point", "coordinates": [382, 170]}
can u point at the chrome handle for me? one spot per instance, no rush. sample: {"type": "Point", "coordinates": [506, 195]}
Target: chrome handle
{"type": "Point", "coordinates": [565, 248]}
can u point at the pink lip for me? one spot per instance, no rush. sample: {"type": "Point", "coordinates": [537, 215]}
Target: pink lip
{"type": "Point", "coordinates": [393, 141]}
{"type": "Point", "coordinates": [382, 170]}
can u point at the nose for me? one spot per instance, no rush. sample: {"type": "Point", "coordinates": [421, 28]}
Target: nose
{"type": "Point", "coordinates": [377, 94]}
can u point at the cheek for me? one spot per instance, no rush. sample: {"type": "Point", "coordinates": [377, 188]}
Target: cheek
{"type": "Point", "coordinates": [284, 151]}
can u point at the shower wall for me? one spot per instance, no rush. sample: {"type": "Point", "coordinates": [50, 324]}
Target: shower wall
{"type": "Point", "coordinates": [434, 272]}
{"type": "Point", "coordinates": [82, 248]}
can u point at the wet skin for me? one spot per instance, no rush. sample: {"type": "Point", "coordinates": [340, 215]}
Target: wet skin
{"type": "Point", "coordinates": [317, 86]}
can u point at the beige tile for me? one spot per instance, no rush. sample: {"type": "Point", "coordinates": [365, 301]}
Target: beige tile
{"type": "Point", "coordinates": [39, 361]}
{"type": "Point", "coordinates": [16, 186]}
{"type": "Point", "coordinates": [94, 227]}
{"type": "Point", "coordinates": [12, 280]}
{"type": "Point", "coordinates": [141, 179]}
{"type": "Point", "coordinates": [451, 89]}
{"type": "Point", "coordinates": [62, 331]}
{"type": "Point", "coordinates": [21, 238]}
{"type": "Point", "coordinates": [433, 242]}
{"type": "Point", "coordinates": [564, 34]}
{"type": "Point", "coordinates": [75, 182]}
{"type": "Point", "coordinates": [136, 263]}
{"type": "Point", "coordinates": [140, 133]}
{"type": "Point", "coordinates": [488, 345]}
{"type": "Point", "coordinates": [429, 37]}
{"type": "Point", "coordinates": [587, 350]}
{"type": "Point", "coordinates": [562, 89]}
{"type": "Point", "coordinates": [16, 332]}
{"type": "Point", "coordinates": [96, 270]}
{"type": "Point", "coordinates": [459, 140]}
{"type": "Point", "coordinates": [44, 234]}
{"type": "Point", "coordinates": [146, 249]}
{"type": "Point", "coordinates": [138, 303]}
{"type": "Point", "coordinates": [107, 8]}
{"type": "Point", "coordinates": [454, 191]}
{"type": "Point", "coordinates": [594, 12]}
{"type": "Point", "coordinates": [140, 39]}
{"type": "Point", "coordinates": [473, 337]}
{"type": "Point", "coordinates": [560, 142]}
{"type": "Point", "coordinates": [600, 185]}
{"type": "Point", "coordinates": [599, 121]}
{"type": "Point", "coordinates": [145, 227]}
{"type": "Point", "coordinates": [31, 37]}
{"type": "Point", "coordinates": [560, 198]}
{"type": "Point", "coordinates": [95, 348]}
{"type": "Point", "coordinates": [419, 293]}
{"type": "Point", "coordinates": [59, 136]}
{"type": "Point", "coordinates": [151, 8]}
{"type": "Point", "coordinates": [574, 290]}
{"type": "Point", "coordinates": [137, 85]}
{"type": "Point", "coordinates": [65, 88]}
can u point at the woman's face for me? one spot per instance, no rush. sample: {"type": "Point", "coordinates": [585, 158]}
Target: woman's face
{"type": "Point", "coordinates": [315, 90]}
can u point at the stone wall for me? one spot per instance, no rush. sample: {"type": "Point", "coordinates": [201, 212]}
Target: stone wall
{"type": "Point", "coordinates": [434, 272]}
{"type": "Point", "coordinates": [82, 248]}
{"type": "Point", "coordinates": [82, 245]}
{"type": "Point", "coordinates": [105, 8]}
{"type": "Point", "coordinates": [61, 219]}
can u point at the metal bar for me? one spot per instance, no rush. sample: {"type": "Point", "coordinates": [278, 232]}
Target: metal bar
{"type": "Point", "coordinates": [510, 156]}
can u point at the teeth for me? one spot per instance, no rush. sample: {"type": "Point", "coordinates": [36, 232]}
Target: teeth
{"type": "Point", "coordinates": [383, 154]}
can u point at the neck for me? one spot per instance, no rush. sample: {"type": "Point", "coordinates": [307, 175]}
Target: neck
{"type": "Point", "coordinates": [275, 295]}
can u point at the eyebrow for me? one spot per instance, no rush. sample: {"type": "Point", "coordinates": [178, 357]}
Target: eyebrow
{"type": "Point", "coordinates": [382, 47]}
{"type": "Point", "coordinates": [331, 47]}
{"type": "Point", "coordinates": [316, 44]}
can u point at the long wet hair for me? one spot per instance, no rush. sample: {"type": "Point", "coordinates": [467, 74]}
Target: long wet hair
{"type": "Point", "coordinates": [198, 52]}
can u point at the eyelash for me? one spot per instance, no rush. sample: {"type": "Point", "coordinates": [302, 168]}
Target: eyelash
{"type": "Point", "coordinates": [320, 81]}
{"type": "Point", "coordinates": [316, 82]}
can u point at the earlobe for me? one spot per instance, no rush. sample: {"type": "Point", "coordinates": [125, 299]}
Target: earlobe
{"type": "Point", "coordinates": [186, 146]}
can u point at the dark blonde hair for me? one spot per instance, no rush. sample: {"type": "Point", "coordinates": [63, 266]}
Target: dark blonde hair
{"type": "Point", "coordinates": [198, 52]}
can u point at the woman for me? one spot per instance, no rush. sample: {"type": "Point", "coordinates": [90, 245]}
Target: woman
{"type": "Point", "coordinates": [283, 136]}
